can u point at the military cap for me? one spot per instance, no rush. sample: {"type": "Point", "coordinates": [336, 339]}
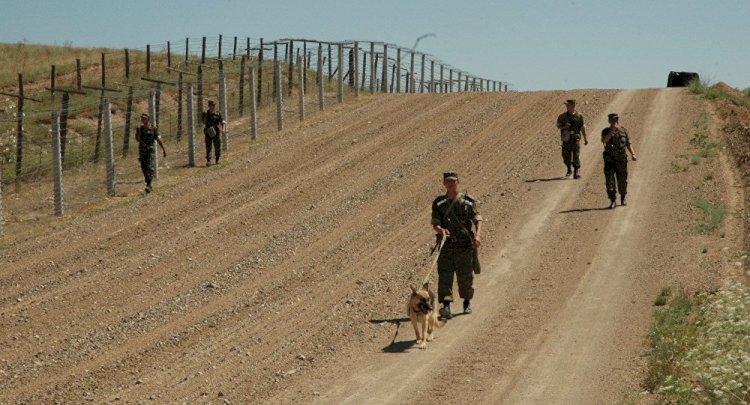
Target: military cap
{"type": "Point", "coordinates": [211, 102]}
{"type": "Point", "coordinates": [145, 115]}
{"type": "Point", "coordinates": [450, 176]}
{"type": "Point", "coordinates": [613, 117]}
{"type": "Point", "coordinates": [571, 101]}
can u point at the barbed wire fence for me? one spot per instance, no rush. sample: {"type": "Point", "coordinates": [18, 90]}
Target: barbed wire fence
{"type": "Point", "coordinates": [102, 97]}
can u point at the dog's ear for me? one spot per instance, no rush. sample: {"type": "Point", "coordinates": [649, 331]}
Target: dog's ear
{"type": "Point", "coordinates": [413, 290]}
{"type": "Point", "coordinates": [426, 285]}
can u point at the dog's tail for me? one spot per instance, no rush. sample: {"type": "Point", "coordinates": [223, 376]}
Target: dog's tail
{"type": "Point", "coordinates": [438, 323]}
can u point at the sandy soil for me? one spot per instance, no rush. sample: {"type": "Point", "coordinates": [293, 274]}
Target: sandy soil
{"type": "Point", "coordinates": [282, 275]}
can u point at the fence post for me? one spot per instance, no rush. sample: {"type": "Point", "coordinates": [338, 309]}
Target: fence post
{"type": "Point", "coordinates": [234, 49]}
{"type": "Point", "coordinates": [290, 58]}
{"type": "Point", "coordinates": [364, 68]}
{"type": "Point", "coordinates": [128, 118]}
{"type": "Point", "coordinates": [19, 129]}
{"type": "Point", "coordinates": [191, 126]}
{"type": "Point", "coordinates": [301, 67]}
{"type": "Point", "coordinates": [432, 76]}
{"type": "Point", "coordinates": [78, 74]}
{"type": "Point", "coordinates": [303, 79]}
{"type": "Point", "coordinates": [203, 53]}
{"type": "Point", "coordinates": [169, 54]}
{"type": "Point", "coordinates": [57, 164]}
{"type": "Point", "coordinates": [321, 103]}
{"type": "Point", "coordinates": [442, 81]}
{"type": "Point", "coordinates": [411, 74]}
{"type": "Point", "coordinates": [384, 79]}
{"type": "Point", "coordinates": [52, 82]}
{"type": "Point", "coordinates": [253, 106]}
{"type": "Point", "coordinates": [218, 56]}
{"type": "Point", "coordinates": [275, 61]}
{"type": "Point", "coordinates": [355, 70]}
{"type": "Point", "coordinates": [372, 67]}
{"type": "Point", "coordinates": [397, 76]}
{"type": "Point", "coordinates": [152, 113]}
{"type": "Point", "coordinates": [277, 93]}
{"type": "Point", "coordinates": [148, 59]}
{"type": "Point", "coordinates": [157, 105]}
{"type": "Point", "coordinates": [340, 95]}
{"type": "Point", "coordinates": [450, 81]}
{"type": "Point", "coordinates": [223, 106]}
{"type": "Point", "coordinates": [330, 63]}
{"type": "Point", "coordinates": [421, 76]}
{"type": "Point", "coordinates": [187, 48]}
{"type": "Point", "coordinates": [260, 71]}
{"type": "Point", "coordinates": [109, 149]}
{"type": "Point", "coordinates": [127, 64]}
{"type": "Point", "coordinates": [179, 107]}
{"type": "Point", "coordinates": [241, 100]}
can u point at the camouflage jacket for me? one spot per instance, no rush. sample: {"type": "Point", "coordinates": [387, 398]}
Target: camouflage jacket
{"type": "Point", "coordinates": [616, 148]}
{"type": "Point", "coordinates": [147, 137]}
{"type": "Point", "coordinates": [458, 221]}
{"type": "Point", "coordinates": [212, 119]}
{"type": "Point", "coordinates": [576, 125]}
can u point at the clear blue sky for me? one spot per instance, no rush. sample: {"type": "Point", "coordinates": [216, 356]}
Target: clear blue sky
{"type": "Point", "coordinates": [535, 45]}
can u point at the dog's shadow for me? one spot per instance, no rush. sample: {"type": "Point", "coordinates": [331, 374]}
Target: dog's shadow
{"type": "Point", "coordinates": [402, 346]}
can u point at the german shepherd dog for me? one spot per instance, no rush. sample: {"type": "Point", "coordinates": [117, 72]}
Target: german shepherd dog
{"type": "Point", "coordinates": [421, 310]}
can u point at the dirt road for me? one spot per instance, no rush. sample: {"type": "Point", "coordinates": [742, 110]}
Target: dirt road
{"type": "Point", "coordinates": [282, 276]}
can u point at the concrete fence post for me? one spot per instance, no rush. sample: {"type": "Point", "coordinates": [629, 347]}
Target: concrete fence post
{"type": "Point", "coordinates": [412, 86]}
{"type": "Point", "coordinates": [384, 79]}
{"type": "Point", "coordinates": [355, 70]}
{"type": "Point", "coordinates": [128, 118]}
{"type": "Point", "coordinates": [450, 80]}
{"type": "Point", "coordinates": [190, 125]}
{"type": "Point", "coordinates": [179, 107]}
{"type": "Point", "coordinates": [372, 67]}
{"type": "Point", "coordinates": [199, 106]}
{"type": "Point", "coordinates": [421, 75]}
{"type": "Point", "coordinates": [397, 76]}
{"type": "Point", "coordinates": [57, 164]}
{"type": "Point", "coordinates": [109, 149]}
{"type": "Point", "coordinates": [241, 101]}
{"type": "Point", "coordinates": [432, 76]}
{"type": "Point", "coordinates": [340, 95]}
{"type": "Point", "coordinates": [442, 81]}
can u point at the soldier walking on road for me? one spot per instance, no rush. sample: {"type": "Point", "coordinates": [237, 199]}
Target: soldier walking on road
{"type": "Point", "coordinates": [147, 137]}
{"type": "Point", "coordinates": [616, 141]}
{"type": "Point", "coordinates": [214, 126]}
{"type": "Point", "coordinates": [571, 127]}
{"type": "Point", "coordinates": [453, 215]}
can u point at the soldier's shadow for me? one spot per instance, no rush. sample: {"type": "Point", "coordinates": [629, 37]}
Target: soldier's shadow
{"type": "Point", "coordinates": [548, 179]}
{"type": "Point", "coordinates": [585, 210]}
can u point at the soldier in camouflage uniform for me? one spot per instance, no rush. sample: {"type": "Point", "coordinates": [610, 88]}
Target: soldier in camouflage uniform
{"type": "Point", "coordinates": [214, 126]}
{"type": "Point", "coordinates": [147, 137]}
{"type": "Point", "coordinates": [571, 127]}
{"type": "Point", "coordinates": [453, 215]}
{"type": "Point", "coordinates": [616, 141]}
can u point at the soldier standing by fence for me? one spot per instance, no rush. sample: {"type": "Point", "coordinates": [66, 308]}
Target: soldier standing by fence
{"type": "Point", "coordinates": [147, 137]}
{"type": "Point", "coordinates": [214, 126]}
{"type": "Point", "coordinates": [571, 127]}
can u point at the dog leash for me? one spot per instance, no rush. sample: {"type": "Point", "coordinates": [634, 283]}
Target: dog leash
{"type": "Point", "coordinates": [439, 247]}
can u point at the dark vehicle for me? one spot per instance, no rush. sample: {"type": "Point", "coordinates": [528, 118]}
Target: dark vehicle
{"type": "Point", "coordinates": [681, 79]}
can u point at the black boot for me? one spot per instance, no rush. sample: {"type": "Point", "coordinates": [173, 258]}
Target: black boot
{"type": "Point", "coordinates": [445, 311]}
{"type": "Point", "coordinates": [623, 202]}
{"type": "Point", "coordinates": [467, 307]}
{"type": "Point", "coordinates": [569, 172]}
{"type": "Point", "coordinates": [576, 175]}
{"type": "Point", "coordinates": [612, 203]}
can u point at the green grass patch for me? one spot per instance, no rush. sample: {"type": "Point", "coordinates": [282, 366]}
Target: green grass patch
{"type": "Point", "coordinates": [700, 348]}
{"type": "Point", "coordinates": [661, 299]}
{"type": "Point", "coordinates": [713, 93]}
{"type": "Point", "coordinates": [714, 214]}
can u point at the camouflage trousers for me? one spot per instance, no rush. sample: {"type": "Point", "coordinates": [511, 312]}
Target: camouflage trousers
{"type": "Point", "coordinates": [148, 160]}
{"type": "Point", "coordinates": [461, 262]}
{"type": "Point", "coordinates": [616, 177]}
{"type": "Point", "coordinates": [214, 141]}
{"type": "Point", "coordinates": [570, 152]}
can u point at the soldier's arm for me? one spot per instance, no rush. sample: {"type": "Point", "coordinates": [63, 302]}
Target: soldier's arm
{"type": "Point", "coordinates": [436, 222]}
{"type": "Point", "coordinates": [583, 132]}
{"type": "Point", "coordinates": [561, 124]}
{"type": "Point", "coordinates": [632, 153]}
{"type": "Point", "coordinates": [164, 151]}
{"type": "Point", "coordinates": [137, 134]}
